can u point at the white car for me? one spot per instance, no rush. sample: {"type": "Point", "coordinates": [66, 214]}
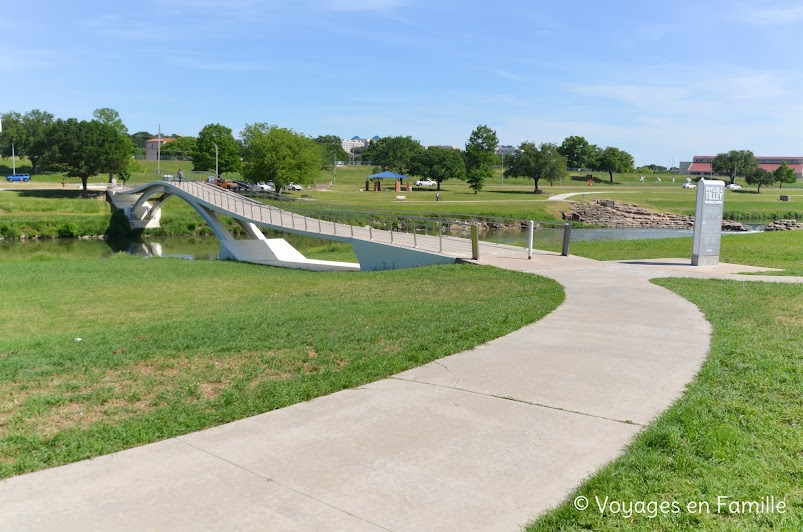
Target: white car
{"type": "Point", "coordinates": [733, 186]}
{"type": "Point", "coordinates": [689, 185]}
{"type": "Point", "coordinates": [426, 183]}
{"type": "Point", "coordinates": [294, 186]}
{"type": "Point", "coordinates": [265, 187]}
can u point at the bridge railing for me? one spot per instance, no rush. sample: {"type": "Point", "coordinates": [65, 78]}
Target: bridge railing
{"type": "Point", "coordinates": [447, 233]}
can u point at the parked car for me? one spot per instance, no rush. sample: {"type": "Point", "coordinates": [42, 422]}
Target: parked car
{"type": "Point", "coordinates": [244, 185]}
{"type": "Point", "coordinates": [265, 187]}
{"type": "Point", "coordinates": [19, 177]}
{"type": "Point", "coordinates": [294, 186]}
{"type": "Point", "coordinates": [733, 186]}
{"type": "Point", "coordinates": [689, 185]}
{"type": "Point", "coordinates": [229, 184]}
{"type": "Point", "coordinates": [426, 183]}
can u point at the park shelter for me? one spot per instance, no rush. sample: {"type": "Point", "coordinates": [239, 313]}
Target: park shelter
{"type": "Point", "coordinates": [387, 175]}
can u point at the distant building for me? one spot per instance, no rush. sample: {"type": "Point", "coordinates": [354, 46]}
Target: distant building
{"type": "Point", "coordinates": [154, 146]}
{"type": "Point", "coordinates": [701, 165]}
{"type": "Point", "coordinates": [504, 151]}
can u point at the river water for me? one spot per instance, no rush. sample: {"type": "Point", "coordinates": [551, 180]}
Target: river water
{"type": "Point", "coordinates": [206, 248]}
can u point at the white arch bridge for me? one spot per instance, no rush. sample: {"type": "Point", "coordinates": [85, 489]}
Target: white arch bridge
{"type": "Point", "coordinates": [427, 242]}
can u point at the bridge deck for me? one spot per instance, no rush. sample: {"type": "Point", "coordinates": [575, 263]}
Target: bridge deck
{"type": "Point", "coordinates": [269, 216]}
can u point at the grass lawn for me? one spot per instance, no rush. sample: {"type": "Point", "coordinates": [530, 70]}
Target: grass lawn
{"type": "Point", "coordinates": [171, 346]}
{"type": "Point", "coordinates": [782, 249]}
{"type": "Point", "coordinates": [737, 432]}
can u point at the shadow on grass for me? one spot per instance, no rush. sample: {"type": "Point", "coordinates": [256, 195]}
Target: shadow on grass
{"type": "Point", "coordinates": [596, 180]}
{"type": "Point", "coordinates": [59, 194]}
{"type": "Point", "coordinates": [521, 192]}
{"type": "Point", "coordinates": [8, 170]}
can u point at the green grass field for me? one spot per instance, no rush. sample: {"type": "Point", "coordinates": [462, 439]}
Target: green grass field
{"type": "Point", "coordinates": [735, 433]}
{"type": "Point", "coordinates": [171, 346]}
{"type": "Point", "coordinates": [511, 198]}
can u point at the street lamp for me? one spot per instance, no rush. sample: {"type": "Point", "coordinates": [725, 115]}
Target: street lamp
{"type": "Point", "coordinates": [334, 162]}
{"type": "Point", "coordinates": [217, 170]}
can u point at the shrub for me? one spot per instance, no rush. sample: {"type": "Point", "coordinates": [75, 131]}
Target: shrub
{"type": "Point", "coordinates": [67, 230]}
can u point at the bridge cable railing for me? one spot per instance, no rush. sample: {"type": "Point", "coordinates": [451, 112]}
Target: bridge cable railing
{"type": "Point", "coordinates": [460, 231]}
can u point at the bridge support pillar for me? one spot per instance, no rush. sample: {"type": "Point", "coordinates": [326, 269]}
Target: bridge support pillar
{"type": "Point", "coordinates": [374, 256]}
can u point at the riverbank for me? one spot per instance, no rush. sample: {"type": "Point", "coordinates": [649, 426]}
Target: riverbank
{"type": "Point", "coordinates": [618, 215]}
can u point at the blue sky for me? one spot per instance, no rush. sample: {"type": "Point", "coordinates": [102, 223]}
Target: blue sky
{"type": "Point", "coordinates": [661, 80]}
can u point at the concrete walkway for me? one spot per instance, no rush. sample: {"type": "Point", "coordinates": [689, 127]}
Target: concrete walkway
{"type": "Point", "coordinates": [481, 440]}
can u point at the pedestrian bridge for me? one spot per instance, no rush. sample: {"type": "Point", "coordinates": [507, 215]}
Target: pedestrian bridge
{"type": "Point", "coordinates": [388, 246]}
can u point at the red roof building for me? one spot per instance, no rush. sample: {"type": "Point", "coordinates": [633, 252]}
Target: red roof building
{"type": "Point", "coordinates": [701, 165]}
{"type": "Point", "coordinates": [153, 146]}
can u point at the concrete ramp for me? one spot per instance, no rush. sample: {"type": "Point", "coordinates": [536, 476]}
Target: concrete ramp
{"type": "Point", "coordinates": [278, 252]}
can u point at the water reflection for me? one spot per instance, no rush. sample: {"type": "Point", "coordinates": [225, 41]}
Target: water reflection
{"type": "Point", "coordinates": [207, 247]}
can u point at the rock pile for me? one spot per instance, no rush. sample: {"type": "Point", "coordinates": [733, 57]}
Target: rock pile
{"type": "Point", "coordinates": [784, 225]}
{"type": "Point", "coordinates": [607, 213]}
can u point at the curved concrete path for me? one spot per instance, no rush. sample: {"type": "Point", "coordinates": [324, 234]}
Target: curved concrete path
{"type": "Point", "coordinates": [481, 440]}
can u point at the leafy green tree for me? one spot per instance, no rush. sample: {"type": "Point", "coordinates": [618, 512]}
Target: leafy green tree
{"type": "Point", "coordinates": [439, 164]}
{"type": "Point", "coordinates": [280, 155]}
{"type": "Point", "coordinates": [784, 174]}
{"type": "Point", "coordinates": [109, 116]}
{"type": "Point", "coordinates": [734, 163]}
{"type": "Point", "coordinates": [140, 138]}
{"type": "Point", "coordinates": [611, 160]}
{"type": "Point", "coordinates": [228, 149]}
{"type": "Point", "coordinates": [758, 176]}
{"type": "Point", "coordinates": [84, 149]}
{"type": "Point", "coordinates": [36, 123]}
{"type": "Point", "coordinates": [331, 150]}
{"type": "Point", "coordinates": [393, 153]}
{"type": "Point", "coordinates": [577, 151]}
{"type": "Point", "coordinates": [183, 147]}
{"type": "Point", "coordinates": [536, 162]}
{"type": "Point", "coordinates": [480, 156]}
{"type": "Point", "coordinates": [27, 134]}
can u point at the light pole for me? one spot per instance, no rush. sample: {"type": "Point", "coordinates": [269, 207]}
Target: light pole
{"type": "Point", "coordinates": [217, 170]}
{"type": "Point", "coordinates": [334, 163]}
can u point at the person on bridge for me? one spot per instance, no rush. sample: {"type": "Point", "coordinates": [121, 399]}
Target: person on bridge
{"type": "Point", "coordinates": [180, 175]}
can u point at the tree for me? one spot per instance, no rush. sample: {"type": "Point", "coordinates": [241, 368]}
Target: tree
{"type": "Point", "coordinates": [577, 151]}
{"type": "Point", "coordinates": [25, 135]}
{"type": "Point", "coordinates": [758, 176]}
{"type": "Point", "coordinates": [36, 123]}
{"type": "Point", "coordinates": [183, 147]}
{"type": "Point", "coordinates": [331, 150]}
{"type": "Point", "coordinates": [228, 149]}
{"type": "Point", "coordinates": [84, 149]}
{"type": "Point", "coordinates": [439, 164]}
{"type": "Point", "coordinates": [480, 156]}
{"type": "Point", "coordinates": [784, 174]}
{"type": "Point", "coordinates": [611, 160]}
{"type": "Point", "coordinates": [280, 155]}
{"type": "Point", "coordinates": [14, 137]}
{"type": "Point", "coordinates": [536, 163]}
{"type": "Point", "coordinates": [109, 116]}
{"type": "Point", "coordinates": [734, 163]}
{"type": "Point", "coordinates": [140, 138]}
{"type": "Point", "coordinates": [393, 153]}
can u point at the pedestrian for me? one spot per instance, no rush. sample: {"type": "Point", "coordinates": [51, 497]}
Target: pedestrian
{"type": "Point", "coordinates": [180, 175]}
{"type": "Point", "coordinates": [63, 183]}
{"type": "Point", "coordinates": [437, 196]}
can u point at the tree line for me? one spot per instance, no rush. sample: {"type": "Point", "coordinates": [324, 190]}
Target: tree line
{"type": "Point", "coordinates": [742, 163]}
{"type": "Point", "coordinates": [268, 152]}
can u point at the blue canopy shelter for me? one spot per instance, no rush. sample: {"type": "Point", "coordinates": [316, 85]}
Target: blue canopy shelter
{"type": "Point", "coordinates": [387, 175]}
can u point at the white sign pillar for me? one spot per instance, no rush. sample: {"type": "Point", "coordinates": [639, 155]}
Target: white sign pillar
{"type": "Point", "coordinates": [708, 222]}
